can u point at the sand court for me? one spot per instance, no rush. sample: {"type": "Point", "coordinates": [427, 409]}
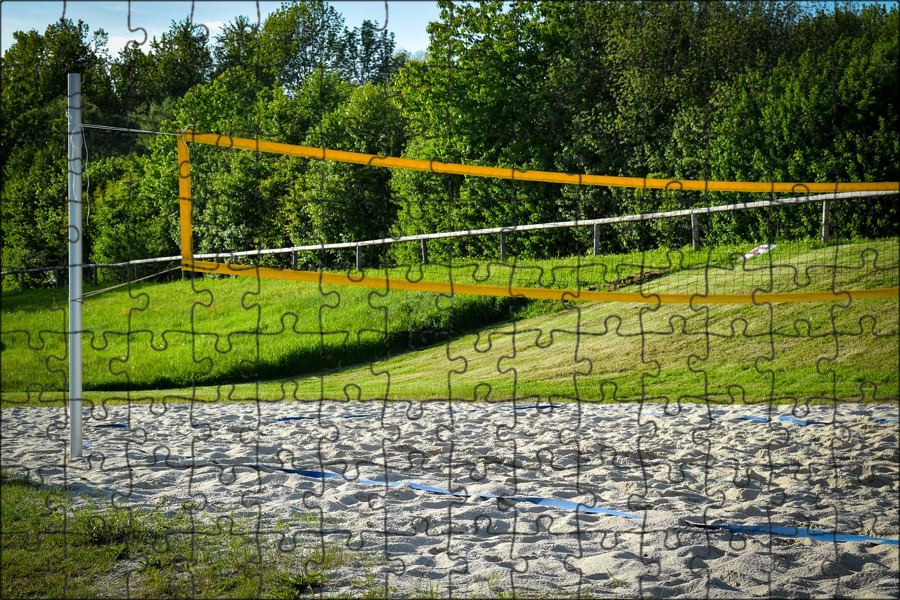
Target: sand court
{"type": "Point", "coordinates": [610, 499]}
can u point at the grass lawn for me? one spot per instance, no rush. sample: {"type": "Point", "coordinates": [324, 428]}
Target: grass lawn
{"type": "Point", "coordinates": [241, 338]}
{"type": "Point", "coordinates": [52, 550]}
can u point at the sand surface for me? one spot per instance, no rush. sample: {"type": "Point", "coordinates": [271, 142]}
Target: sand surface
{"type": "Point", "coordinates": [644, 477]}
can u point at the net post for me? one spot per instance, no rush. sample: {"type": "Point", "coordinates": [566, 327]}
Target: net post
{"type": "Point", "coordinates": [424, 252]}
{"type": "Point", "coordinates": [358, 258]}
{"type": "Point", "coordinates": [184, 204]}
{"type": "Point", "coordinates": [502, 247]}
{"type": "Point", "coordinates": [826, 220]}
{"type": "Point", "coordinates": [596, 239]}
{"type": "Point", "coordinates": [695, 231]}
{"type": "Point", "coordinates": [75, 264]}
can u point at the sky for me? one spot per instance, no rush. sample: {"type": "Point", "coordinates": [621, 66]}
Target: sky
{"type": "Point", "coordinates": [406, 19]}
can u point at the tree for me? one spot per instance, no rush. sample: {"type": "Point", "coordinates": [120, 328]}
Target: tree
{"type": "Point", "coordinates": [34, 71]}
{"type": "Point", "coordinates": [825, 111]}
{"type": "Point", "coordinates": [299, 38]}
{"type": "Point", "coordinates": [237, 45]}
{"type": "Point", "coordinates": [339, 202]}
{"type": "Point", "coordinates": [480, 98]}
{"type": "Point", "coordinates": [134, 76]}
{"type": "Point", "coordinates": [182, 57]}
{"type": "Point", "coordinates": [33, 103]}
{"type": "Point", "coordinates": [369, 54]}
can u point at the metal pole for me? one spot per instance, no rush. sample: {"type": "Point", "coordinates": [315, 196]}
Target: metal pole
{"type": "Point", "coordinates": [502, 247]}
{"type": "Point", "coordinates": [596, 239]}
{"type": "Point", "coordinates": [358, 259]}
{"type": "Point", "coordinates": [695, 230]}
{"type": "Point", "coordinates": [826, 218]}
{"type": "Point", "coordinates": [424, 253]}
{"type": "Point", "coordinates": [75, 262]}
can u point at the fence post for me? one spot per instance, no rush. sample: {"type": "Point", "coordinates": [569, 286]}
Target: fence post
{"type": "Point", "coordinates": [358, 258]}
{"type": "Point", "coordinates": [695, 231]}
{"type": "Point", "coordinates": [596, 239]}
{"type": "Point", "coordinates": [502, 247]}
{"type": "Point", "coordinates": [826, 220]}
{"type": "Point", "coordinates": [424, 252]}
{"type": "Point", "coordinates": [294, 260]}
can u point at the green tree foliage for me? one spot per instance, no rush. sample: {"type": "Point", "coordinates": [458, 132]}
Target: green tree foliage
{"type": "Point", "coordinates": [237, 45]}
{"type": "Point", "coordinates": [172, 64]}
{"type": "Point", "coordinates": [339, 202]}
{"type": "Point", "coordinates": [33, 75]}
{"type": "Point", "coordinates": [478, 99]}
{"type": "Point", "coordinates": [820, 113]}
{"type": "Point", "coordinates": [302, 37]}
{"type": "Point", "coordinates": [369, 54]}
{"type": "Point", "coordinates": [746, 90]}
{"type": "Point", "coordinates": [182, 58]}
{"type": "Point", "coordinates": [133, 210]}
{"type": "Point", "coordinates": [33, 102]}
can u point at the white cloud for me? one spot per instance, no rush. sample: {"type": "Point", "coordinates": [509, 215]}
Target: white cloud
{"type": "Point", "coordinates": [117, 42]}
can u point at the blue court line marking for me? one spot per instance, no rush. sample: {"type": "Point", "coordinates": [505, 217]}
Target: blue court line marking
{"type": "Point", "coordinates": [798, 532]}
{"type": "Point", "coordinates": [771, 530]}
{"type": "Point", "coordinates": [549, 502]}
{"type": "Point", "coordinates": [452, 412]}
{"type": "Point", "coordinates": [316, 418]}
{"type": "Point", "coordinates": [791, 419]}
{"type": "Point", "coordinates": [795, 420]}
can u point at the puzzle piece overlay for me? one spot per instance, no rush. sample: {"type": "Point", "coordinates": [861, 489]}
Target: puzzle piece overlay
{"type": "Point", "coordinates": [363, 360]}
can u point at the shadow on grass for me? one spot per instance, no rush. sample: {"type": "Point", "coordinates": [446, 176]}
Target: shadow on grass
{"type": "Point", "coordinates": [436, 328]}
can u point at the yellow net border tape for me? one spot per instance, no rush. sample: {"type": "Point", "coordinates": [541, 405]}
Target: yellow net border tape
{"type": "Point", "coordinates": [448, 288]}
{"type": "Point", "coordinates": [436, 166]}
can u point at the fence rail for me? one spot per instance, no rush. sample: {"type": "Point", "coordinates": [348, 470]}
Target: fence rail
{"type": "Point", "coordinates": [694, 213]}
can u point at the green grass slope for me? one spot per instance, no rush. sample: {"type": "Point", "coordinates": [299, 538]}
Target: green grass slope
{"type": "Point", "coordinates": [242, 338]}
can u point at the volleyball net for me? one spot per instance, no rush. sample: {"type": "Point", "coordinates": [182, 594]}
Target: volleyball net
{"type": "Point", "coordinates": [581, 280]}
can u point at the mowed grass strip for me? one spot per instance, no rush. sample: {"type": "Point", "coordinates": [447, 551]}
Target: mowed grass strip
{"type": "Point", "coordinates": [52, 550]}
{"type": "Point", "coordinates": [248, 339]}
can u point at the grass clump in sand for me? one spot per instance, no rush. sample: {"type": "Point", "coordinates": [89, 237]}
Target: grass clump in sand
{"type": "Point", "coordinates": [52, 549]}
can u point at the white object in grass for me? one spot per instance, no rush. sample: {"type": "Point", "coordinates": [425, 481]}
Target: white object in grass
{"type": "Point", "coordinates": [757, 251]}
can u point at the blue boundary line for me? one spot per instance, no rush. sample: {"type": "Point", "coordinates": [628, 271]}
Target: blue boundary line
{"type": "Point", "coordinates": [771, 530]}
{"type": "Point", "coordinates": [798, 532]}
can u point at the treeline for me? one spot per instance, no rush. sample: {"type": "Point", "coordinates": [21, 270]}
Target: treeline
{"type": "Point", "coordinates": [760, 91]}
